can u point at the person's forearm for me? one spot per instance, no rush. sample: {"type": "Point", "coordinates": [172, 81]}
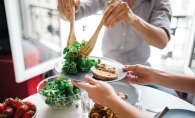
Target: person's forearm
{"type": "Point", "coordinates": [124, 110]}
{"type": "Point", "coordinates": [180, 82]}
{"type": "Point", "coordinates": [154, 36]}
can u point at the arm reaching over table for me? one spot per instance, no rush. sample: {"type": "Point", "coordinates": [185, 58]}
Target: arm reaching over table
{"type": "Point", "coordinates": [99, 89]}
{"type": "Point", "coordinates": [140, 74]}
{"type": "Point", "coordinates": [121, 11]}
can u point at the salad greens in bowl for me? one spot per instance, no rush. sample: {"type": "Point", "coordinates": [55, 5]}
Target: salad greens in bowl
{"type": "Point", "coordinates": [58, 92]}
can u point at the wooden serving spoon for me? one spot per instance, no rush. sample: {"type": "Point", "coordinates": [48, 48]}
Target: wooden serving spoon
{"type": "Point", "coordinates": [91, 43]}
{"type": "Point", "coordinates": [72, 36]}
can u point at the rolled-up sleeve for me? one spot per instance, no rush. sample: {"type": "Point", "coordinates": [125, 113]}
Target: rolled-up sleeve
{"type": "Point", "coordinates": [161, 15]}
{"type": "Point", "coordinates": [89, 7]}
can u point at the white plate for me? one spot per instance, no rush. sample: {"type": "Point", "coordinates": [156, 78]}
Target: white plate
{"type": "Point", "coordinates": [80, 75]}
{"type": "Point", "coordinates": [127, 88]}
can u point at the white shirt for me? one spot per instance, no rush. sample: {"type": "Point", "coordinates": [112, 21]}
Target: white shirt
{"type": "Point", "coordinates": [122, 43]}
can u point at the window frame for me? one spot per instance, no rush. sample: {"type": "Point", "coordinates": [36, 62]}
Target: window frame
{"type": "Point", "coordinates": [15, 34]}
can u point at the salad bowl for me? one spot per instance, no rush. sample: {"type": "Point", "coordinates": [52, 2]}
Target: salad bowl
{"type": "Point", "coordinates": [58, 92]}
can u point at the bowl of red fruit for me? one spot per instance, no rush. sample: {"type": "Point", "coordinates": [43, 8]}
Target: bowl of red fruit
{"type": "Point", "coordinates": [16, 108]}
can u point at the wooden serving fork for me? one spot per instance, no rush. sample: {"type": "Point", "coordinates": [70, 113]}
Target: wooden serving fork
{"type": "Point", "coordinates": [91, 43]}
{"type": "Point", "coordinates": [72, 36]}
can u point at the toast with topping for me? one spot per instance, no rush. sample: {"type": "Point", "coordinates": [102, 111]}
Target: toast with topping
{"type": "Point", "coordinates": [104, 73]}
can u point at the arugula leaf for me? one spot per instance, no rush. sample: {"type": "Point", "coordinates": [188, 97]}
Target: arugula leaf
{"type": "Point", "coordinates": [72, 65]}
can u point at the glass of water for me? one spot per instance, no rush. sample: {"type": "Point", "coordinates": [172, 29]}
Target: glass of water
{"type": "Point", "coordinates": [86, 104]}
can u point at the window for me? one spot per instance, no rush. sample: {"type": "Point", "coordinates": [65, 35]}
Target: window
{"type": "Point", "coordinates": [175, 53]}
{"type": "Point", "coordinates": [34, 30]}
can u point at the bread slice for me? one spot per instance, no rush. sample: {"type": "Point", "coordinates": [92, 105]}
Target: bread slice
{"type": "Point", "coordinates": [104, 74]}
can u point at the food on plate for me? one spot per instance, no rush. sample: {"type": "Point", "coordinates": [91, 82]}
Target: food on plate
{"type": "Point", "coordinates": [104, 73]}
{"type": "Point", "coordinates": [122, 95]}
{"type": "Point", "coordinates": [99, 111]}
{"type": "Point", "coordinates": [15, 108]}
{"type": "Point", "coordinates": [59, 93]}
{"type": "Point", "coordinates": [72, 65]}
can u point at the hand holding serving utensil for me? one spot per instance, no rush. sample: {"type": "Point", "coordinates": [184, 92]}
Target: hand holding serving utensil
{"type": "Point", "coordinates": [91, 43]}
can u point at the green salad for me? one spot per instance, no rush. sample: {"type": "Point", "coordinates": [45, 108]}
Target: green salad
{"type": "Point", "coordinates": [60, 93]}
{"type": "Point", "coordinates": [72, 65]}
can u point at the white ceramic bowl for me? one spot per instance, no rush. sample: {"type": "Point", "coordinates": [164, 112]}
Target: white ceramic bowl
{"type": "Point", "coordinates": [61, 102]}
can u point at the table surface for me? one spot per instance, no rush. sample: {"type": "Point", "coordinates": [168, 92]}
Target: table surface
{"type": "Point", "coordinates": [150, 99]}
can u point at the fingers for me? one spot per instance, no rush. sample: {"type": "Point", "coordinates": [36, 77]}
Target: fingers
{"type": "Point", "coordinates": [76, 3]}
{"type": "Point", "coordinates": [113, 12]}
{"type": "Point", "coordinates": [130, 78]}
{"type": "Point", "coordinates": [64, 8]}
{"type": "Point", "coordinates": [80, 84]}
{"type": "Point", "coordinates": [108, 3]}
{"type": "Point", "coordinates": [86, 86]}
{"type": "Point", "coordinates": [111, 8]}
{"type": "Point", "coordinates": [126, 79]}
{"type": "Point", "coordinates": [114, 20]}
{"type": "Point", "coordinates": [90, 80]}
{"type": "Point", "coordinates": [116, 13]}
{"type": "Point", "coordinates": [130, 67]}
{"type": "Point", "coordinates": [68, 4]}
{"type": "Point", "coordinates": [63, 17]}
{"type": "Point", "coordinates": [60, 7]}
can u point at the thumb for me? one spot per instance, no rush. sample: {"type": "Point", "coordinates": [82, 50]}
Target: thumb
{"type": "Point", "coordinates": [129, 67]}
{"type": "Point", "coordinates": [77, 4]}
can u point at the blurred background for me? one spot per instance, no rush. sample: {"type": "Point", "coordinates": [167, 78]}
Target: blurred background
{"type": "Point", "coordinates": [33, 36]}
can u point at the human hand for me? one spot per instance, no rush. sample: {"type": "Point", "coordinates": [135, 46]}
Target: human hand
{"type": "Point", "coordinates": [139, 74]}
{"type": "Point", "coordinates": [117, 12]}
{"type": "Point", "coordinates": [64, 8]}
{"type": "Point", "coordinates": [99, 91]}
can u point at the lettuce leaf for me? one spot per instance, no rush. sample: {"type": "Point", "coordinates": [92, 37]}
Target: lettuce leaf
{"type": "Point", "coordinates": [72, 65]}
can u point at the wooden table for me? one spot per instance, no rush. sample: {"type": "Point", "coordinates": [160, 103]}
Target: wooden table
{"type": "Point", "coordinates": [150, 98]}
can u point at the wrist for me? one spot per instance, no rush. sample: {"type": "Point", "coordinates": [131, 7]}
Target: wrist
{"type": "Point", "coordinates": [157, 75]}
{"type": "Point", "coordinates": [112, 103]}
{"type": "Point", "coordinates": [136, 21]}
{"type": "Point", "coordinates": [154, 76]}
